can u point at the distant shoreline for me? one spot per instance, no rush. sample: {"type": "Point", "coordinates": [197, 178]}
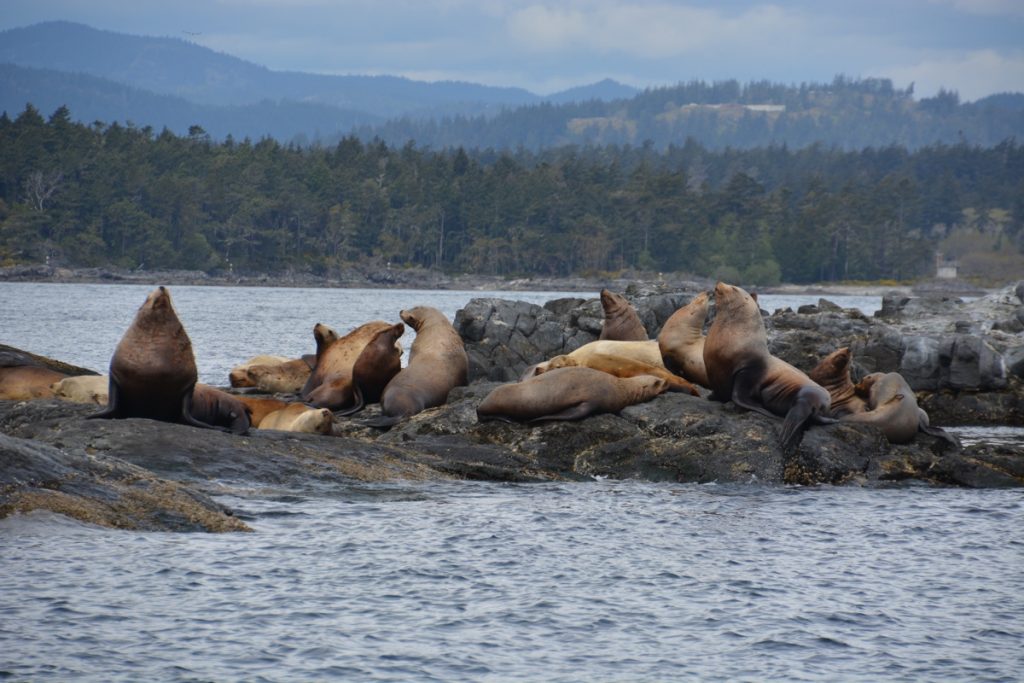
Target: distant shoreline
{"type": "Point", "coordinates": [417, 278]}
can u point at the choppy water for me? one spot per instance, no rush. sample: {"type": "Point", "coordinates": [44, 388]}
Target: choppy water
{"type": "Point", "coordinates": [598, 581]}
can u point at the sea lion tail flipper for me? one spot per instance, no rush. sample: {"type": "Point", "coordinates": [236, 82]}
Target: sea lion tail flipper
{"type": "Point", "coordinates": [359, 404]}
{"type": "Point", "coordinates": [939, 433]}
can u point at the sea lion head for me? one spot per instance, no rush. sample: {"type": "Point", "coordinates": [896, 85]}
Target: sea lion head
{"type": "Point", "coordinates": [413, 317]}
{"type": "Point", "coordinates": [648, 385]}
{"type": "Point", "coordinates": [611, 302]}
{"type": "Point", "coordinates": [324, 336]}
{"type": "Point", "coordinates": [834, 365]}
{"type": "Point", "coordinates": [562, 361]}
{"type": "Point", "coordinates": [734, 304]}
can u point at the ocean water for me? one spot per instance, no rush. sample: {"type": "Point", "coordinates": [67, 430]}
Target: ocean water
{"type": "Point", "coordinates": [583, 581]}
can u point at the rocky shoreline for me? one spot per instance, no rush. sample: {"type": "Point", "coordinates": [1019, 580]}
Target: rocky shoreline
{"type": "Point", "coordinates": [965, 362]}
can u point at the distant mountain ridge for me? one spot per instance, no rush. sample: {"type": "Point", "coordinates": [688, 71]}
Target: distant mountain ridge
{"type": "Point", "coordinates": [172, 66]}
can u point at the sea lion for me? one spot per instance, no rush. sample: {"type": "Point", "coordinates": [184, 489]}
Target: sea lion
{"type": "Point", "coordinates": [570, 393]}
{"type": "Point", "coordinates": [330, 383]}
{"type": "Point", "coordinates": [621, 366]}
{"type": "Point", "coordinates": [833, 373]}
{"type": "Point", "coordinates": [621, 322]}
{"type": "Point", "coordinates": [83, 389]}
{"type": "Point", "coordinates": [238, 375]}
{"type": "Point", "coordinates": [261, 407]}
{"type": "Point", "coordinates": [27, 382]}
{"type": "Point", "coordinates": [644, 351]}
{"type": "Point", "coordinates": [153, 370]}
{"type": "Point", "coordinates": [281, 378]}
{"type": "Point", "coordinates": [379, 361]}
{"type": "Point", "coordinates": [298, 417]}
{"type": "Point", "coordinates": [437, 363]}
{"type": "Point", "coordinates": [741, 369]}
{"type": "Point", "coordinates": [220, 409]}
{"type": "Point", "coordinates": [892, 407]}
{"type": "Point", "coordinates": [681, 340]}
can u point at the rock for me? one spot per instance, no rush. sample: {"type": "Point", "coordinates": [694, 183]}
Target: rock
{"type": "Point", "coordinates": [93, 487]}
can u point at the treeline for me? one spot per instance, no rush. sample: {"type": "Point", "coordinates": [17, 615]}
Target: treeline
{"type": "Point", "coordinates": [848, 113]}
{"type": "Point", "coordinates": [115, 195]}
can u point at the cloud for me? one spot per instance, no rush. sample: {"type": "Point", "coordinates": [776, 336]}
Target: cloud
{"type": "Point", "coordinates": [973, 74]}
{"type": "Point", "coordinates": [994, 8]}
{"type": "Point", "coordinates": [647, 30]}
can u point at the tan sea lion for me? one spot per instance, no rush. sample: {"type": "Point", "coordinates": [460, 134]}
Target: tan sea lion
{"type": "Point", "coordinates": [153, 370]}
{"type": "Point", "coordinates": [220, 409]}
{"type": "Point", "coordinates": [330, 383]}
{"type": "Point", "coordinates": [892, 407]}
{"type": "Point", "coordinates": [238, 375]}
{"type": "Point", "coordinates": [621, 322]}
{"type": "Point", "coordinates": [681, 340]}
{"type": "Point", "coordinates": [379, 361]}
{"type": "Point", "coordinates": [281, 378]}
{"type": "Point", "coordinates": [833, 373]}
{"type": "Point", "coordinates": [621, 366]}
{"type": "Point", "coordinates": [83, 389]}
{"type": "Point", "coordinates": [644, 351]}
{"type": "Point", "coordinates": [437, 363]}
{"type": "Point", "coordinates": [261, 407]}
{"type": "Point", "coordinates": [570, 393]}
{"type": "Point", "coordinates": [27, 382]}
{"type": "Point", "coordinates": [298, 417]}
{"type": "Point", "coordinates": [741, 369]}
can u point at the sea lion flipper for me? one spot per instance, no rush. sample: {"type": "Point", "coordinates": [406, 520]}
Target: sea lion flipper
{"type": "Point", "coordinates": [359, 404]}
{"type": "Point", "coordinates": [111, 411]}
{"type": "Point", "coordinates": [938, 432]}
{"type": "Point", "coordinates": [744, 389]}
{"type": "Point", "coordinates": [573, 412]}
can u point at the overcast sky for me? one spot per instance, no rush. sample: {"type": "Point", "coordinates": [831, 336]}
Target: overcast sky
{"type": "Point", "coordinates": [975, 47]}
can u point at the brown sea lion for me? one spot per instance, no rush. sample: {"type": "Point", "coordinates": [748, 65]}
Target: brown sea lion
{"type": "Point", "coordinates": [298, 417]}
{"type": "Point", "coordinates": [644, 351]}
{"type": "Point", "coordinates": [681, 340]}
{"type": "Point", "coordinates": [220, 409]}
{"type": "Point", "coordinates": [281, 378]}
{"type": "Point", "coordinates": [892, 407]}
{"type": "Point", "coordinates": [437, 363]}
{"type": "Point", "coordinates": [621, 322]}
{"type": "Point", "coordinates": [83, 389]}
{"type": "Point", "coordinates": [833, 373]}
{"type": "Point", "coordinates": [741, 369]}
{"type": "Point", "coordinates": [261, 407]}
{"type": "Point", "coordinates": [153, 371]}
{"type": "Point", "coordinates": [27, 382]}
{"type": "Point", "coordinates": [621, 366]}
{"type": "Point", "coordinates": [379, 362]}
{"type": "Point", "coordinates": [570, 393]}
{"type": "Point", "coordinates": [330, 383]}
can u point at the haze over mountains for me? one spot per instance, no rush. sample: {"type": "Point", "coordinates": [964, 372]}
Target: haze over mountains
{"type": "Point", "coordinates": [168, 82]}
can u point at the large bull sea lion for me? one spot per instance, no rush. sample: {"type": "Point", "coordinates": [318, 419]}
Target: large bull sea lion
{"type": "Point", "coordinates": [570, 393]}
{"type": "Point", "coordinates": [153, 370]}
{"type": "Point", "coordinates": [892, 407]}
{"type": "Point", "coordinates": [741, 369]}
{"type": "Point", "coordinates": [621, 322]}
{"type": "Point", "coordinates": [377, 364]}
{"type": "Point", "coordinates": [681, 340]}
{"type": "Point", "coordinates": [437, 364]}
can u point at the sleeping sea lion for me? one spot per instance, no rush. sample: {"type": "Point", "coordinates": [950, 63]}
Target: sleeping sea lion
{"type": "Point", "coordinates": [27, 382]}
{"type": "Point", "coordinates": [330, 383]}
{"type": "Point", "coordinates": [645, 351]}
{"type": "Point", "coordinates": [741, 369]}
{"type": "Point", "coordinates": [238, 375]}
{"type": "Point", "coordinates": [621, 322]}
{"type": "Point", "coordinates": [153, 371]}
{"type": "Point", "coordinates": [621, 366]}
{"type": "Point", "coordinates": [681, 340]}
{"type": "Point", "coordinates": [298, 417]}
{"type": "Point", "coordinates": [437, 364]}
{"type": "Point", "coordinates": [833, 373]}
{"type": "Point", "coordinates": [83, 389]}
{"type": "Point", "coordinates": [892, 407]}
{"type": "Point", "coordinates": [379, 361]}
{"type": "Point", "coordinates": [280, 378]}
{"type": "Point", "coordinates": [261, 407]}
{"type": "Point", "coordinates": [570, 393]}
{"type": "Point", "coordinates": [220, 409]}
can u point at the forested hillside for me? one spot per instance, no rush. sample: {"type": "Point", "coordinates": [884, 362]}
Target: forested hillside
{"type": "Point", "coordinates": [80, 195]}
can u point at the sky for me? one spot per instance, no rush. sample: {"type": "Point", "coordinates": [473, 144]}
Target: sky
{"type": "Point", "coordinates": [975, 47]}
